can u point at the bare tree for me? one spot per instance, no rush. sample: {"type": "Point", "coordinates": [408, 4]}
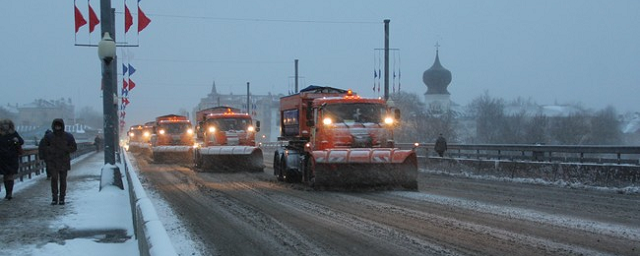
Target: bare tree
{"type": "Point", "coordinates": [605, 128]}
{"type": "Point", "coordinates": [570, 130]}
{"type": "Point", "coordinates": [490, 118]}
{"type": "Point", "coordinates": [4, 113]}
{"type": "Point", "coordinates": [90, 117]}
{"type": "Point", "coordinates": [417, 124]}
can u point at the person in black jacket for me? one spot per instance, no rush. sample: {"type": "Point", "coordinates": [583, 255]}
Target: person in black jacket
{"type": "Point", "coordinates": [58, 148]}
{"type": "Point", "coordinates": [441, 145]}
{"type": "Point", "coordinates": [42, 153]}
{"type": "Point", "coordinates": [10, 150]}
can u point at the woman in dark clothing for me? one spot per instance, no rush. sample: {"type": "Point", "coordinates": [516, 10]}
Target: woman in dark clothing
{"type": "Point", "coordinates": [58, 148]}
{"type": "Point", "coordinates": [10, 144]}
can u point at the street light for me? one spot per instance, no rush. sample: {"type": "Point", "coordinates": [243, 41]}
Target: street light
{"type": "Point", "coordinates": [107, 53]}
{"type": "Point", "coordinates": [107, 48]}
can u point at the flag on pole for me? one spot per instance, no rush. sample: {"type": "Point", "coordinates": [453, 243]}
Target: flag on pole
{"type": "Point", "coordinates": [143, 20]}
{"type": "Point", "coordinates": [93, 19]}
{"type": "Point", "coordinates": [128, 18]}
{"type": "Point", "coordinates": [79, 19]}
{"type": "Point", "coordinates": [131, 84]}
{"type": "Point", "coordinates": [124, 69]}
{"type": "Point", "coordinates": [125, 101]}
{"type": "Point", "coordinates": [131, 70]}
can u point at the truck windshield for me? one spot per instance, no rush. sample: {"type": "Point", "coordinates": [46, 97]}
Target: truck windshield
{"type": "Point", "coordinates": [175, 128]}
{"type": "Point", "coordinates": [355, 112]}
{"type": "Point", "coordinates": [229, 124]}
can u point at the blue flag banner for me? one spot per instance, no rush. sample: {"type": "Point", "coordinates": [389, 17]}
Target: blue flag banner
{"type": "Point", "coordinates": [124, 69]}
{"type": "Point", "coordinates": [131, 70]}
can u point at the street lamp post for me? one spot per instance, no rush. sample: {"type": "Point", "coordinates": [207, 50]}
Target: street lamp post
{"type": "Point", "coordinates": [107, 53]}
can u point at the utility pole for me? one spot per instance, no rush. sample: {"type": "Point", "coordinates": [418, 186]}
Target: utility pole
{"type": "Point", "coordinates": [108, 84]}
{"type": "Point", "coordinates": [386, 59]}
{"type": "Point", "coordinates": [296, 67]}
{"type": "Point", "coordinates": [248, 105]}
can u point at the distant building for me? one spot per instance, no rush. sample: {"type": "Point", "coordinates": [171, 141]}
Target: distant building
{"type": "Point", "coordinates": [41, 112]}
{"type": "Point", "coordinates": [263, 108]}
{"type": "Point", "coordinates": [437, 78]}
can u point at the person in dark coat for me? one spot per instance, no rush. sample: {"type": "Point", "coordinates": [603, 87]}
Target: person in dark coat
{"type": "Point", "coordinates": [42, 153]}
{"type": "Point", "coordinates": [97, 142]}
{"type": "Point", "coordinates": [58, 148]}
{"type": "Point", "coordinates": [10, 150]}
{"type": "Point", "coordinates": [441, 145]}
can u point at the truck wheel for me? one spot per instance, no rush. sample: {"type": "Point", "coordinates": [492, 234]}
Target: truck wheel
{"type": "Point", "coordinates": [282, 166]}
{"type": "Point", "coordinates": [308, 172]}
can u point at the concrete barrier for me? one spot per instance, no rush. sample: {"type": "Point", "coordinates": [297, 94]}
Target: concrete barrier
{"type": "Point", "coordinates": [605, 175]}
{"type": "Point", "coordinates": [152, 237]}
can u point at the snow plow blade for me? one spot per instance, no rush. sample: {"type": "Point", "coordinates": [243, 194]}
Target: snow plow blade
{"type": "Point", "coordinates": [366, 168]}
{"type": "Point", "coordinates": [230, 159]}
{"type": "Point", "coordinates": [172, 154]}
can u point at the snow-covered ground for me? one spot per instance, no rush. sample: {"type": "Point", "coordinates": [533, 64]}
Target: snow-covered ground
{"type": "Point", "coordinates": [83, 222]}
{"type": "Point", "coordinates": [87, 223]}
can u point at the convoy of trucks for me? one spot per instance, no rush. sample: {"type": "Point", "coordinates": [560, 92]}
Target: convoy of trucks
{"type": "Point", "coordinates": [330, 137]}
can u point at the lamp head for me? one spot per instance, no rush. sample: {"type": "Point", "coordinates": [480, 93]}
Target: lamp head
{"type": "Point", "coordinates": [107, 48]}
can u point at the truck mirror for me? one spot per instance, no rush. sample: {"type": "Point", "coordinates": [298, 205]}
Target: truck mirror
{"type": "Point", "coordinates": [396, 113]}
{"type": "Point", "coordinates": [257, 126]}
{"type": "Point", "coordinates": [309, 110]}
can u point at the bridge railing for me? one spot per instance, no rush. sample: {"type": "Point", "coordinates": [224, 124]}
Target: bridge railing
{"type": "Point", "coordinates": [31, 164]}
{"type": "Point", "coordinates": [622, 155]}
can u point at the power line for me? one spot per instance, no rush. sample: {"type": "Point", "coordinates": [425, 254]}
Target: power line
{"type": "Point", "coordinates": [208, 61]}
{"type": "Point", "coordinates": [261, 20]}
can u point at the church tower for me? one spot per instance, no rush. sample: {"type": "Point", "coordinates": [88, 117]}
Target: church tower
{"type": "Point", "coordinates": [437, 78]}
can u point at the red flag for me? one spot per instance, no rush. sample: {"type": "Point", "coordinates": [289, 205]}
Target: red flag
{"type": "Point", "coordinates": [143, 21]}
{"type": "Point", "coordinates": [131, 84]}
{"type": "Point", "coordinates": [124, 84]}
{"type": "Point", "coordinates": [125, 101]}
{"type": "Point", "coordinates": [128, 19]}
{"type": "Point", "coordinates": [93, 19]}
{"type": "Point", "coordinates": [122, 115]}
{"type": "Point", "coordinates": [80, 21]}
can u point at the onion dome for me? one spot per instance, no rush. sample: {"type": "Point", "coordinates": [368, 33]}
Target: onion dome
{"type": "Point", "coordinates": [437, 78]}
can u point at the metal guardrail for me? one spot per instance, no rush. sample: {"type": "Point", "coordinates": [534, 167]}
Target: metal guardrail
{"type": "Point", "coordinates": [31, 164]}
{"type": "Point", "coordinates": [628, 155]}
{"type": "Point", "coordinates": [622, 155]}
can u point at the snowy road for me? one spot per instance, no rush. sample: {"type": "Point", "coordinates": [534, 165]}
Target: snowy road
{"type": "Point", "coordinates": [253, 214]}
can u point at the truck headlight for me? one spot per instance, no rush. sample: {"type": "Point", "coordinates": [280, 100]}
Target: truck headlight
{"type": "Point", "coordinates": [327, 121]}
{"type": "Point", "coordinates": [189, 131]}
{"type": "Point", "coordinates": [250, 128]}
{"type": "Point", "coordinates": [212, 129]}
{"type": "Point", "coordinates": [161, 132]}
{"type": "Point", "coordinates": [388, 120]}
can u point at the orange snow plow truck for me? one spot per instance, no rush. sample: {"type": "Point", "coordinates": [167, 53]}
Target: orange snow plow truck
{"type": "Point", "coordinates": [336, 139]}
{"type": "Point", "coordinates": [227, 141]}
{"type": "Point", "coordinates": [173, 139]}
{"type": "Point", "coordinates": [139, 137]}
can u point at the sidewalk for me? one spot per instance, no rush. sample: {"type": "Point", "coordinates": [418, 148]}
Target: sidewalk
{"type": "Point", "coordinates": [92, 222]}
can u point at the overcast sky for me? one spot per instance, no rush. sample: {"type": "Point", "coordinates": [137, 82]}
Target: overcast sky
{"type": "Point", "coordinates": [552, 51]}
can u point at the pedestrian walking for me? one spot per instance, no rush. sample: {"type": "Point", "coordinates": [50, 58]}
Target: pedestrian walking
{"type": "Point", "coordinates": [58, 148]}
{"type": "Point", "coordinates": [97, 142]}
{"type": "Point", "coordinates": [441, 145]}
{"type": "Point", "coordinates": [10, 151]}
{"type": "Point", "coordinates": [42, 153]}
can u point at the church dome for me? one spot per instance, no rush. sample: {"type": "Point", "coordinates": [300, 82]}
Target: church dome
{"type": "Point", "coordinates": [437, 78]}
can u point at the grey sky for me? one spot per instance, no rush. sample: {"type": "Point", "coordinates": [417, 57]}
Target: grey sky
{"type": "Point", "coordinates": [551, 51]}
